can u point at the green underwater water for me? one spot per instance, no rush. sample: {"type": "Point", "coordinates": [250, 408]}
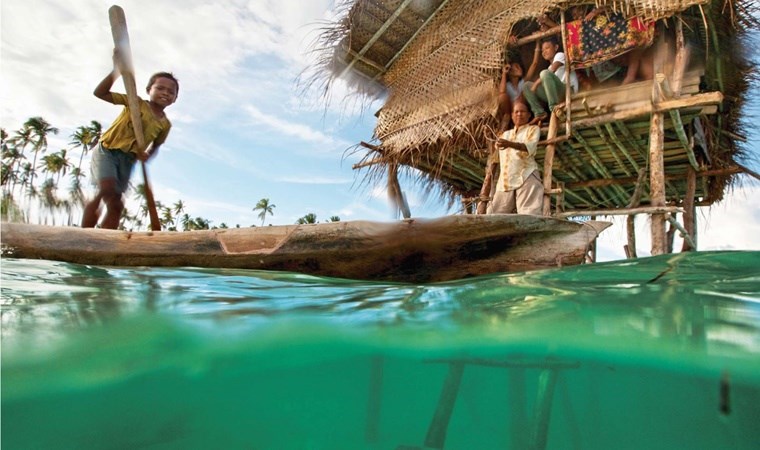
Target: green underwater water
{"type": "Point", "coordinates": [654, 353]}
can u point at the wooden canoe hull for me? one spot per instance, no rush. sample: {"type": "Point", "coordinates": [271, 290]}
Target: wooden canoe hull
{"type": "Point", "coordinates": [413, 250]}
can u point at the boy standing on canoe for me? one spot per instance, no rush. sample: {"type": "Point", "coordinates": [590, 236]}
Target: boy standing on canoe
{"type": "Point", "coordinates": [114, 159]}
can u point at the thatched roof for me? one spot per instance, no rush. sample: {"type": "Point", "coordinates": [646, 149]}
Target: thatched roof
{"type": "Point", "coordinates": [437, 61]}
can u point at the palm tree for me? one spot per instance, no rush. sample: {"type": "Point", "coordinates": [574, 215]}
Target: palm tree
{"type": "Point", "coordinates": [10, 155]}
{"type": "Point", "coordinates": [10, 210]}
{"type": "Point", "coordinates": [186, 222]}
{"type": "Point", "coordinates": [56, 164]}
{"type": "Point", "coordinates": [167, 219]}
{"type": "Point", "coordinates": [50, 202]}
{"type": "Point", "coordinates": [178, 208]}
{"type": "Point", "coordinates": [40, 128]}
{"type": "Point", "coordinates": [265, 207]}
{"type": "Point", "coordinates": [308, 218]}
{"type": "Point", "coordinates": [199, 223]}
{"type": "Point", "coordinates": [18, 144]}
{"type": "Point", "coordinates": [85, 137]}
{"type": "Point", "coordinates": [76, 194]}
{"type": "Point", "coordinates": [334, 219]}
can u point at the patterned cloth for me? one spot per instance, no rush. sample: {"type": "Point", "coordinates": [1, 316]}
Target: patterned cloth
{"type": "Point", "coordinates": [605, 37]}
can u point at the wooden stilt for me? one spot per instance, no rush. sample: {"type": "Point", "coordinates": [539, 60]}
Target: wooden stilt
{"type": "Point", "coordinates": [436, 435]}
{"type": "Point", "coordinates": [547, 381]}
{"type": "Point", "coordinates": [568, 88]}
{"type": "Point", "coordinates": [630, 223]}
{"type": "Point", "coordinates": [690, 211]}
{"type": "Point", "coordinates": [656, 158]}
{"type": "Point", "coordinates": [485, 190]}
{"type": "Point", "coordinates": [674, 225]}
{"type": "Point", "coordinates": [549, 163]}
{"type": "Point", "coordinates": [670, 235]}
{"type": "Point", "coordinates": [394, 192]}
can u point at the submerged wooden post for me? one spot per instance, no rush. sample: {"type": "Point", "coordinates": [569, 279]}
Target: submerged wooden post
{"type": "Point", "coordinates": [549, 162]}
{"type": "Point", "coordinates": [436, 435]}
{"type": "Point", "coordinates": [656, 156]}
{"type": "Point", "coordinates": [547, 381]}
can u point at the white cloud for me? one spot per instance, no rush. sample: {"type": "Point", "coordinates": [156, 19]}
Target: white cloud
{"type": "Point", "coordinates": [295, 129]}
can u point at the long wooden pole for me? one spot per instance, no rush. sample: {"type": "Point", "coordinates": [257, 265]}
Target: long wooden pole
{"type": "Point", "coordinates": [568, 73]}
{"type": "Point", "coordinates": [121, 42]}
{"type": "Point", "coordinates": [656, 157]}
{"type": "Point", "coordinates": [549, 163]}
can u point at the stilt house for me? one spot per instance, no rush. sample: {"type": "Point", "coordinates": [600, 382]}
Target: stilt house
{"type": "Point", "coordinates": [662, 145]}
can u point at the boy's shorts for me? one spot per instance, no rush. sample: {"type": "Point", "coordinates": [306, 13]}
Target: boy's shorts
{"type": "Point", "coordinates": [114, 164]}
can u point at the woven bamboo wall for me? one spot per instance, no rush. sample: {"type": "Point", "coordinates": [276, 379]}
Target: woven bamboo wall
{"type": "Point", "coordinates": [444, 80]}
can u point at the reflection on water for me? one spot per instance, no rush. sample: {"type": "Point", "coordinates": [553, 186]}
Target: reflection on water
{"type": "Point", "coordinates": [582, 357]}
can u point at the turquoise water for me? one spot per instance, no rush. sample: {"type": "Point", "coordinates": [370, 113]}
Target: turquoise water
{"type": "Point", "coordinates": [655, 353]}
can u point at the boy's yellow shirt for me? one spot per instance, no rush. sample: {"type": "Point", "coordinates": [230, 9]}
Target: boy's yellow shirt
{"type": "Point", "coordinates": [121, 136]}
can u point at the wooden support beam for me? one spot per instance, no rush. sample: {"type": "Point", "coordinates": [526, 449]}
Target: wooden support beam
{"type": "Point", "coordinates": [630, 180]}
{"type": "Point", "coordinates": [549, 163]}
{"type": "Point", "coordinates": [675, 117]}
{"type": "Point", "coordinates": [436, 434]}
{"type": "Point", "coordinates": [375, 37]}
{"type": "Point", "coordinates": [357, 57]}
{"type": "Point", "coordinates": [621, 211]}
{"type": "Point", "coordinates": [568, 71]}
{"type": "Point", "coordinates": [748, 171]}
{"type": "Point", "coordinates": [682, 56]}
{"type": "Point", "coordinates": [395, 193]}
{"type": "Point", "coordinates": [703, 99]}
{"type": "Point", "coordinates": [690, 211]}
{"type": "Point", "coordinates": [630, 248]}
{"type": "Point", "coordinates": [411, 39]}
{"type": "Point", "coordinates": [677, 226]}
{"type": "Point", "coordinates": [371, 162]}
{"type": "Point", "coordinates": [537, 36]}
{"type": "Point", "coordinates": [656, 159]}
{"type": "Point", "coordinates": [485, 190]}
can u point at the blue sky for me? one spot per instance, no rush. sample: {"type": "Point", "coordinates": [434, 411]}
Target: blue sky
{"type": "Point", "coordinates": [242, 128]}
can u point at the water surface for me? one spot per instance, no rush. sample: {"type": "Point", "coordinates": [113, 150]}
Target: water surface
{"type": "Point", "coordinates": [655, 353]}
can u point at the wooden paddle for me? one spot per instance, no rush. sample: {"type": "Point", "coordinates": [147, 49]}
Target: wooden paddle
{"type": "Point", "coordinates": [121, 42]}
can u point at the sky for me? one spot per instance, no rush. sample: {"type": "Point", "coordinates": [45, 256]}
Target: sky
{"type": "Point", "coordinates": [243, 127]}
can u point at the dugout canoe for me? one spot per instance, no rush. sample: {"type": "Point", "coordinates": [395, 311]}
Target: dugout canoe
{"type": "Point", "coordinates": [412, 250]}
